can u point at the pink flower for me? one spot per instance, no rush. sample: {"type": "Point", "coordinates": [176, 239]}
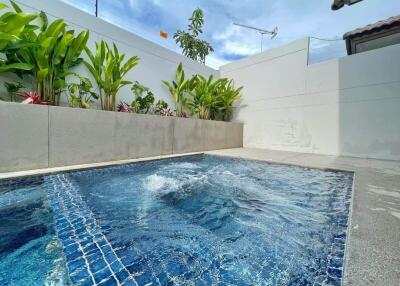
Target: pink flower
{"type": "Point", "coordinates": [123, 107]}
{"type": "Point", "coordinates": [31, 97]}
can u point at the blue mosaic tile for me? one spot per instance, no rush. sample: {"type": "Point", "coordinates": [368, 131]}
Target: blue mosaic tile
{"type": "Point", "coordinates": [109, 282]}
{"type": "Point", "coordinates": [129, 282]}
{"type": "Point", "coordinates": [122, 275]}
{"type": "Point", "coordinates": [102, 275]}
{"type": "Point", "coordinates": [91, 260]}
{"type": "Point", "coordinates": [81, 275]}
{"type": "Point", "coordinates": [116, 266]}
{"type": "Point", "coordinates": [335, 262]}
{"type": "Point", "coordinates": [97, 265]}
{"type": "Point", "coordinates": [332, 281]}
{"type": "Point", "coordinates": [85, 282]}
{"type": "Point", "coordinates": [75, 265]}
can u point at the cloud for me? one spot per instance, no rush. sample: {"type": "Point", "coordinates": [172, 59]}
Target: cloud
{"type": "Point", "coordinates": [295, 19]}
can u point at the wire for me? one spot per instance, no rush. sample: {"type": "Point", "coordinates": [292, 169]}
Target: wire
{"type": "Point", "coordinates": [328, 40]}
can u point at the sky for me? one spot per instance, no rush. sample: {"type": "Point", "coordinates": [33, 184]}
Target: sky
{"type": "Point", "coordinates": [295, 19]}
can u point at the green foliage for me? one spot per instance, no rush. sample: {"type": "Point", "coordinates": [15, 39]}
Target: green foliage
{"type": "Point", "coordinates": [161, 104]}
{"type": "Point", "coordinates": [161, 108]}
{"type": "Point", "coordinates": [108, 69]}
{"type": "Point", "coordinates": [179, 88]}
{"type": "Point", "coordinates": [81, 94]}
{"type": "Point", "coordinates": [47, 52]}
{"type": "Point", "coordinates": [204, 97]}
{"type": "Point", "coordinates": [13, 89]}
{"type": "Point", "coordinates": [144, 98]}
{"type": "Point", "coordinates": [191, 45]}
{"type": "Point", "coordinates": [14, 28]}
{"type": "Point", "coordinates": [227, 94]}
{"type": "Point", "coordinates": [50, 53]}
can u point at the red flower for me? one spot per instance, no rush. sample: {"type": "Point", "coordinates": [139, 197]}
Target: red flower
{"type": "Point", "coordinates": [123, 107]}
{"type": "Point", "coordinates": [31, 97]}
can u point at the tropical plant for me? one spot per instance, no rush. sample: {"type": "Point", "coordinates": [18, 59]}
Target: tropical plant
{"type": "Point", "coordinates": [124, 107]}
{"type": "Point", "coordinates": [162, 108]}
{"type": "Point", "coordinates": [108, 69]}
{"type": "Point", "coordinates": [204, 97]}
{"type": "Point", "coordinates": [179, 89]}
{"type": "Point", "coordinates": [167, 112]}
{"type": "Point", "coordinates": [191, 45]}
{"type": "Point", "coordinates": [144, 98]}
{"type": "Point", "coordinates": [161, 104]}
{"type": "Point", "coordinates": [228, 94]}
{"type": "Point", "coordinates": [15, 26]}
{"type": "Point", "coordinates": [31, 97]}
{"type": "Point", "coordinates": [13, 90]}
{"type": "Point", "coordinates": [53, 52]}
{"type": "Point", "coordinates": [81, 94]}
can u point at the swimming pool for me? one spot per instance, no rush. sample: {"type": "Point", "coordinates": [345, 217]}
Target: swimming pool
{"type": "Point", "coordinates": [193, 220]}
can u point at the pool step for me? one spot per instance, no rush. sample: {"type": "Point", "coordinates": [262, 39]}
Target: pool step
{"type": "Point", "coordinates": [91, 259]}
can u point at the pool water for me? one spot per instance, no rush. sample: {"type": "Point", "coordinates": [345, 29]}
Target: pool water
{"type": "Point", "coordinates": [30, 253]}
{"type": "Point", "coordinates": [195, 220]}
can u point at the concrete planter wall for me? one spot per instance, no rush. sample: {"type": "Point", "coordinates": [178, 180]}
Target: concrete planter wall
{"type": "Point", "coordinates": [34, 136]}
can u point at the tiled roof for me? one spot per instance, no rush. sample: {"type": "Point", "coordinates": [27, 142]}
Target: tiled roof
{"type": "Point", "coordinates": [380, 25]}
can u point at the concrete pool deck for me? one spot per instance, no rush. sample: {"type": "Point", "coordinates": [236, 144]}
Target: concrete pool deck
{"type": "Point", "coordinates": [373, 243]}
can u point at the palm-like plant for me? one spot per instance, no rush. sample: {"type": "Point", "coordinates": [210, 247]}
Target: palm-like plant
{"type": "Point", "coordinates": [227, 95]}
{"type": "Point", "coordinates": [52, 53]}
{"type": "Point", "coordinates": [204, 97]}
{"type": "Point", "coordinates": [14, 26]}
{"type": "Point", "coordinates": [108, 69]}
{"type": "Point", "coordinates": [179, 89]}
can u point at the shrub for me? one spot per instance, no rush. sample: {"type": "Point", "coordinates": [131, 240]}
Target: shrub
{"type": "Point", "coordinates": [206, 98]}
{"type": "Point", "coordinates": [179, 89]}
{"type": "Point", "coordinates": [144, 99]}
{"type": "Point", "coordinates": [51, 53]}
{"type": "Point", "coordinates": [108, 69]}
{"type": "Point", "coordinates": [81, 94]}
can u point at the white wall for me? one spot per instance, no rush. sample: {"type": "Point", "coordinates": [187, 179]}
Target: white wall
{"type": "Point", "coordinates": [156, 63]}
{"type": "Point", "coordinates": [348, 106]}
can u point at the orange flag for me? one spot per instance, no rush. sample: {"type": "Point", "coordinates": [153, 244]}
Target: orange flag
{"type": "Point", "coordinates": [163, 34]}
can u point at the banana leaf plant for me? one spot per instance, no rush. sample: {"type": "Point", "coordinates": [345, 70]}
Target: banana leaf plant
{"type": "Point", "coordinates": [53, 53]}
{"type": "Point", "coordinates": [14, 26]}
{"type": "Point", "coordinates": [228, 94]}
{"type": "Point", "coordinates": [108, 69]}
{"type": "Point", "coordinates": [179, 89]}
{"type": "Point", "coordinates": [204, 97]}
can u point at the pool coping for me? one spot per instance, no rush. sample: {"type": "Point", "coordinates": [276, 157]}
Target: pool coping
{"type": "Point", "coordinates": [372, 253]}
{"type": "Point", "coordinates": [72, 168]}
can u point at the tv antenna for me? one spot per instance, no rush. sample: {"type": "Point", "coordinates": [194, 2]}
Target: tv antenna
{"type": "Point", "coordinates": [262, 32]}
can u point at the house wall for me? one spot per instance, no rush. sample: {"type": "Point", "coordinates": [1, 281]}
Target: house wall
{"type": "Point", "coordinates": [35, 136]}
{"type": "Point", "coordinates": [347, 106]}
{"type": "Point", "coordinates": [156, 63]}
